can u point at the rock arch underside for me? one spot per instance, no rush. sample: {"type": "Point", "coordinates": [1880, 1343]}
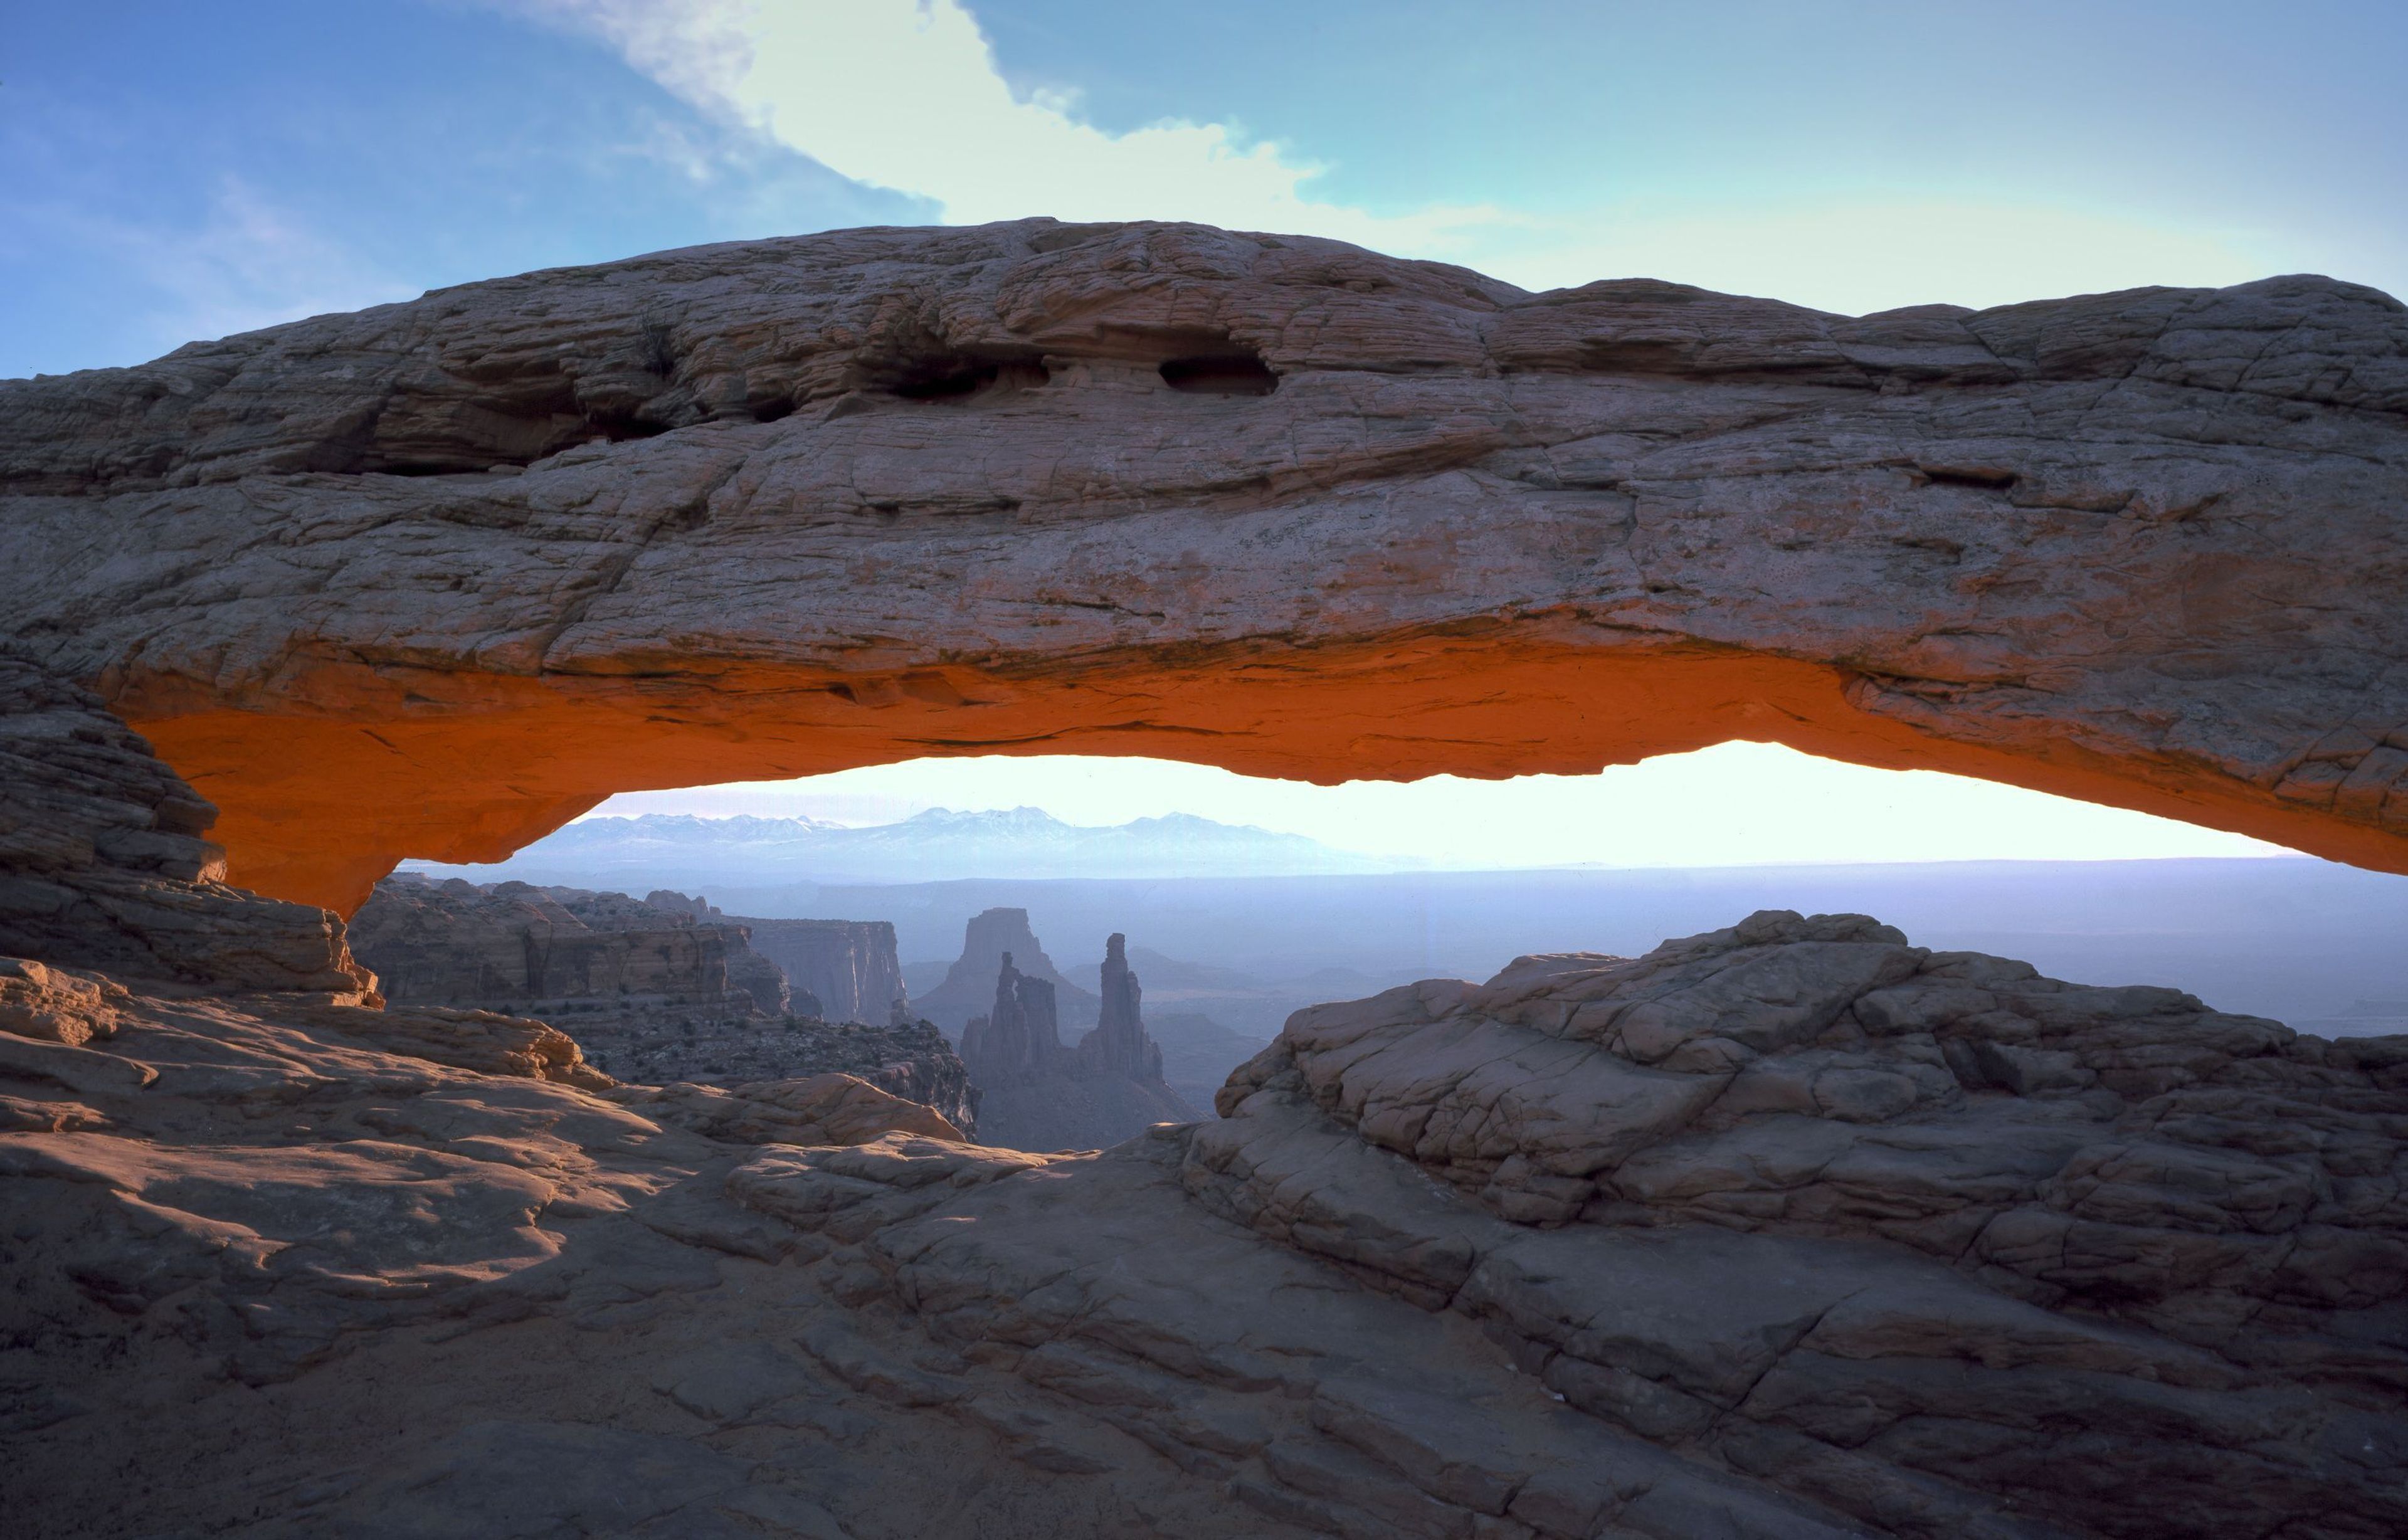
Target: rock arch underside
{"type": "Point", "coordinates": [432, 578]}
{"type": "Point", "coordinates": [1794, 1230]}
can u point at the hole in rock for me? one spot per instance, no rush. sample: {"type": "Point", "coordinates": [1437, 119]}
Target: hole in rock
{"type": "Point", "coordinates": [1220, 374]}
{"type": "Point", "coordinates": [1987, 477]}
{"type": "Point", "coordinates": [1242, 899]}
{"type": "Point", "coordinates": [961, 377]}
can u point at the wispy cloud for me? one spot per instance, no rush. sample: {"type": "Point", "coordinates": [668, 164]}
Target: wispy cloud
{"type": "Point", "coordinates": [906, 95]}
{"type": "Point", "coordinates": [253, 263]}
{"type": "Point", "coordinates": [246, 263]}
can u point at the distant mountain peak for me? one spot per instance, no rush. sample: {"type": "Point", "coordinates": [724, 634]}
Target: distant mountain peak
{"type": "Point", "coordinates": [936, 844]}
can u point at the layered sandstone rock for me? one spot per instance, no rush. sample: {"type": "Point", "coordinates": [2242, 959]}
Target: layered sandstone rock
{"type": "Point", "coordinates": [650, 994]}
{"type": "Point", "coordinates": [510, 943]}
{"type": "Point", "coordinates": [1791, 1232]}
{"type": "Point", "coordinates": [1119, 1044]}
{"type": "Point", "coordinates": [1272, 502]}
{"type": "Point", "coordinates": [660, 990]}
{"type": "Point", "coordinates": [103, 863]}
{"type": "Point", "coordinates": [849, 966]}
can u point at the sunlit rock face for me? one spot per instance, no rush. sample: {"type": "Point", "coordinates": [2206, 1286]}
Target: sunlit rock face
{"type": "Point", "coordinates": [430, 578]}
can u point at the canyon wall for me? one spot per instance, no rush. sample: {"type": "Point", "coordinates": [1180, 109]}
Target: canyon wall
{"type": "Point", "coordinates": [849, 966]}
{"type": "Point", "coordinates": [431, 578]}
{"type": "Point", "coordinates": [655, 990]}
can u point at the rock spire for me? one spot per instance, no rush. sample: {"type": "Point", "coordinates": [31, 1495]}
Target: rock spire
{"type": "Point", "coordinates": [1119, 1044]}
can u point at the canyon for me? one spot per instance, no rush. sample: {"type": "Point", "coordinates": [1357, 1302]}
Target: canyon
{"type": "Point", "coordinates": [1788, 1229]}
{"type": "Point", "coordinates": [1791, 1230]}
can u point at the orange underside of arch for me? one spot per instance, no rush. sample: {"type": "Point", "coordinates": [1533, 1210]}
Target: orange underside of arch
{"type": "Point", "coordinates": [350, 768]}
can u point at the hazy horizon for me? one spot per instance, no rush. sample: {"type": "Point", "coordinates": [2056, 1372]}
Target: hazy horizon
{"type": "Point", "coordinates": [1735, 804]}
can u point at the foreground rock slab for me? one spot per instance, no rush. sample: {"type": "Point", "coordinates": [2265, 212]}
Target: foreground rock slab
{"type": "Point", "coordinates": [1793, 1230]}
{"type": "Point", "coordinates": [431, 578]}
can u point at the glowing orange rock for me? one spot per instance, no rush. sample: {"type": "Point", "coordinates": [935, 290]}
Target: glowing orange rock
{"type": "Point", "coordinates": [432, 578]}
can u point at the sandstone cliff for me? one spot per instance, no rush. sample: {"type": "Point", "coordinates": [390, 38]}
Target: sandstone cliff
{"type": "Point", "coordinates": [103, 863]}
{"type": "Point", "coordinates": [659, 990]}
{"type": "Point", "coordinates": [1790, 1232]}
{"type": "Point", "coordinates": [432, 578]}
{"type": "Point", "coordinates": [647, 992]}
{"type": "Point", "coordinates": [848, 965]}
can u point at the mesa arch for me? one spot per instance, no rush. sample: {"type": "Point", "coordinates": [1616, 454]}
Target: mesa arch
{"type": "Point", "coordinates": [432, 578]}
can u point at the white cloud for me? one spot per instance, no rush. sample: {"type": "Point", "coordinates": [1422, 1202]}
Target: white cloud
{"type": "Point", "coordinates": [905, 95]}
{"type": "Point", "coordinates": [1738, 804]}
{"type": "Point", "coordinates": [251, 263]}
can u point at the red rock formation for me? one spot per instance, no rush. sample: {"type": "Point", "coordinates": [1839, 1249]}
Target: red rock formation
{"type": "Point", "coordinates": [103, 863]}
{"type": "Point", "coordinates": [767, 509]}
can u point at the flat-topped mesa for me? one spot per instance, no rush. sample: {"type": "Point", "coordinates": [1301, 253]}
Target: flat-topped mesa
{"type": "Point", "coordinates": [660, 990]}
{"type": "Point", "coordinates": [849, 966]}
{"type": "Point", "coordinates": [432, 578]}
{"type": "Point", "coordinates": [515, 944]}
{"type": "Point", "coordinates": [992, 939]}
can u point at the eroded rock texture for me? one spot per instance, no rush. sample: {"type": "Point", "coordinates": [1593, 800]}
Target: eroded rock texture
{"type": "Point", "coordinates": [659, 990]}
{"type": "Point", "coordinates": [104, 861]}
{"type": "Point", "coordinates": [430, 578]}
{"type": "Point", "coordinates": [989, 938]}
{"type": "Point", "coordinates": [849, 966]}
{"type": "Point", "coordinates": [1787, 1232]}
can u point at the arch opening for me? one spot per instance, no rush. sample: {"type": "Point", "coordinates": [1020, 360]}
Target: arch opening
{"type": "Point", "coordinates": [317, 803]}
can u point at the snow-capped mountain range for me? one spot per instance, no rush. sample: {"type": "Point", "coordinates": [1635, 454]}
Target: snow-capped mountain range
{"type": "Point", "coordinates": [670, 850]}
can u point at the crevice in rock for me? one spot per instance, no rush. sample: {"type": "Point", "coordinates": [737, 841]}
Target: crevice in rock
{"type": "Point", "coordinates": [1233, 373]}
{"type": "Point", "coordinates": [949, 376]}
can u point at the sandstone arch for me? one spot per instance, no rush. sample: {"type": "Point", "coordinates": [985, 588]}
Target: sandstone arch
{"type": "Point", "coordinates": [432, 578]}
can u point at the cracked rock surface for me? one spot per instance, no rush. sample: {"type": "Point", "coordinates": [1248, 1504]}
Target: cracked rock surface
{"type": "Point", "coordinates": [431, 578]}
{"type": "Point", "coordinates": [1792, 1230]}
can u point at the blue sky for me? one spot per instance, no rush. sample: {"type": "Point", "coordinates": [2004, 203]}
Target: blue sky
{"type": "Point", "coordinates": [172, 170]}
